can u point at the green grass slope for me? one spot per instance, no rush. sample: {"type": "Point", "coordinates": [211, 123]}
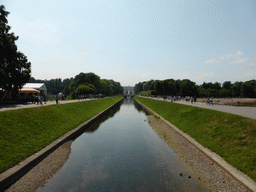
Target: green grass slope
{"type": "Point", "coordinates": [232, 137]}
{"type": "Point", "coordinates": [26, 131]}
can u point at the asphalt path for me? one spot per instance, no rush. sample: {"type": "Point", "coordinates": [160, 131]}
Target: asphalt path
{"type": "Point", "coordinates": [249, 112]}
{"type": "Point", "coordinates": [29, 105]}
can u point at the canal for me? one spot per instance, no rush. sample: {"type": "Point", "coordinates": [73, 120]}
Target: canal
{"type": "Point", "coordinates": [121, 152]}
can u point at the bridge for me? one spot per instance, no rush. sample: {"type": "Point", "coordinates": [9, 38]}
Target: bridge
{"type": "Point", "coordinates": [128, 91]}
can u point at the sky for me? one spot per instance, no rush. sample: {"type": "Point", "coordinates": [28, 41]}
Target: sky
{"type": "Point", "coordinates": [134, 41]}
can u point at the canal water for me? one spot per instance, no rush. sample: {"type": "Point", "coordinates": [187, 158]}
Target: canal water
{"type": "Point", "coordinates": [121, 152]}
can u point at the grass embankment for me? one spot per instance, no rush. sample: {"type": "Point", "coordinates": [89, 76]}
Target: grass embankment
{"type": "Point", "coordinates": [232, 137]}
{"type": "Point", "coordinates": [26, 131]}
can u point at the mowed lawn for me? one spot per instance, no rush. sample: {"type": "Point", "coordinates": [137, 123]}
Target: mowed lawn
{"type": "Point", "coordinates": [26, 131]}
{"type": "Point", "coordinates": [232, 137]}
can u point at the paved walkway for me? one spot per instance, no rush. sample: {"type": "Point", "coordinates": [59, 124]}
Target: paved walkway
{"type": "Point", "coordinates": [29, 105]}
{"type": "Point", "coordinates": [249, 112]}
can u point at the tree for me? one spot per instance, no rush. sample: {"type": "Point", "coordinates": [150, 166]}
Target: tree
{"type": "Point", "coordinates": [14, 67]}
{"type": "Point", "coordinates": [188, 88]}
{"type": "Point", "coordinates": [236, 89]}
{"type": "Point", "coordinates": [249, 89]}
{"type": "Point", "coordinates": [227, 85]}
{"type": "Point", "coordinates": [159, 89]}
{"type": "Point", "coordinates": [105, 87]}
{"type": "Point", "coordinates": [89, 78]}
{"type": "Point", "coordinates": [84, 89]}
{"type": "Point", "coordinates": [138, 88]}
{"type": "Point", "coordinates": [53, 86]}
{"type": "Point", "coordinates": [216, 86]}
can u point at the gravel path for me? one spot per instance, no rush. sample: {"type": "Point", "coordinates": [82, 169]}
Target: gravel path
{"type": "Point", "coordinates": [42, 172]}
{"type": "Point", "coordinates": [207, 170]}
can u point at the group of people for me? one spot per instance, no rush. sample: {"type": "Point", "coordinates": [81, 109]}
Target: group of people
{"type": "Point", "coordinates": [39, 98]}
{"type": "Point", "coordinates": [192, 99]}
{"type": "Point", "coordinates": [209, 100]}
{"type": "Point", "coordinates": [57, 98]}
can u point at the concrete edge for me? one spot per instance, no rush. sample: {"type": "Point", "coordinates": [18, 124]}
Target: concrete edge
{"type": "Point", "coordinates": [13, 174]}
{"type": "Point", "coordinates": [238, 175]}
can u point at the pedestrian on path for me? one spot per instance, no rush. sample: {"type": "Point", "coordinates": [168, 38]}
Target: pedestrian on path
{"type": "Point", "coordinates": [41, 99]}
{"type": "Point", "coordinates": [57, 99]}
{"type": "Point", "coordinates": [45, 98]}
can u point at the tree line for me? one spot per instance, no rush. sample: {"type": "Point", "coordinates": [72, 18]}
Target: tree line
{"type": "Point", "coordinates": [186, 87]}
{"type": "Point", "coordinates": [82, 84]}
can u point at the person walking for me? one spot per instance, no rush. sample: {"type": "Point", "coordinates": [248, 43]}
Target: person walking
{"type": "Point", "coordinates": [44, 98]}
{"type": "Point", "coordinates": [41, 99]}
{"type": "Point", "coordinates": [57, 99]}
{"type": "Point", "coordinates": [194, 99]}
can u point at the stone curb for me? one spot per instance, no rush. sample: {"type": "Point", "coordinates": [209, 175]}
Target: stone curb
{"type": "Point", "coordinates": [13, 174]}
{"type": "Point", "coordinates": [238, 175]}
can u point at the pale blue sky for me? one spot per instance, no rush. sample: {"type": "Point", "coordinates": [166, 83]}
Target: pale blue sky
{"type": "Point", "coordinates": [134, 41]}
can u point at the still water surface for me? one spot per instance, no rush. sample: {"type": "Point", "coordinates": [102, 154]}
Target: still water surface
{"type": "Point", "coordinates": [121, 152]}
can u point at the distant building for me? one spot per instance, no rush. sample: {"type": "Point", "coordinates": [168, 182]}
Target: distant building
{"type": "Point", "coordinates": [38, 86]}
{"type": "Point", "coordinates": [128, 90]}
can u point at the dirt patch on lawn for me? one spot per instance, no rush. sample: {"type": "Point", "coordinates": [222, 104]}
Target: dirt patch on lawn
{"type": "Point", "coordinates": [42, 172]}
{"type": "Point", "coordinates": [206, 169]}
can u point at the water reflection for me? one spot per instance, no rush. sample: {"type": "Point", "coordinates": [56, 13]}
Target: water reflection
{"type": "Point", "coordinates": [128, 101]}
{"type": "Point", "coordinates": [109, 114]}
{"type": "Point", "coordinates": [124, 154]}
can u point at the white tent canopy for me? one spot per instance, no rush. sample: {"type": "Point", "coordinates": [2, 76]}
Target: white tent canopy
{"type": "Point", "coordinates": [28, 90]}
{"type": "Point", "coordinates": [38, 86]}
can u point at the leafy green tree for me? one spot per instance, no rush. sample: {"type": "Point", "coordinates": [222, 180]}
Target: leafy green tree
{"type": "Point", "coordinates": [105, 87]}
{"type": "Point", "coordinates": [216, 86]}
{"type": "Point", "coordinates": [188, 88]}
{"type": "Point", "coordinates": [171, 90]}
{"type": "Point", "coordinates": [225, 93]}
{"type": "Point", "coordinates": [85, 89]}
{"type": "Point", "coordinates": [66, 89]}
{"type": "Point", "coordinates": [14, 67]}
{"type": "Point", "coordinates": [138, 88]}
{"type": "Point", "coordinates": [53, 86]}
{"type": "Point", "coordinates": [237, 89]}
{"type": "Point", "coordinates": [150, 84]}
{"type": "Point", "coordinates": [159, 88]}
{"type": "Point", "coordinates": [89, 78]}
{"type": "Point", "coordinates": [249, 89]}
{"type": "Point", "coordinates": [227, 85]}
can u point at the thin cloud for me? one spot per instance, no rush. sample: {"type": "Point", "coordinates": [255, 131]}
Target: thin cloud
{"type": "Point", "coordinates": [210, 61]}
{"type": "Point", "coordinates": [240, 61]}
{"type": "Point", "coordinates": [232, 58]}
{"type": "Point", "coordinates": [204, 75]}
{"type": "Point", "coordinates": [235, 55]}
